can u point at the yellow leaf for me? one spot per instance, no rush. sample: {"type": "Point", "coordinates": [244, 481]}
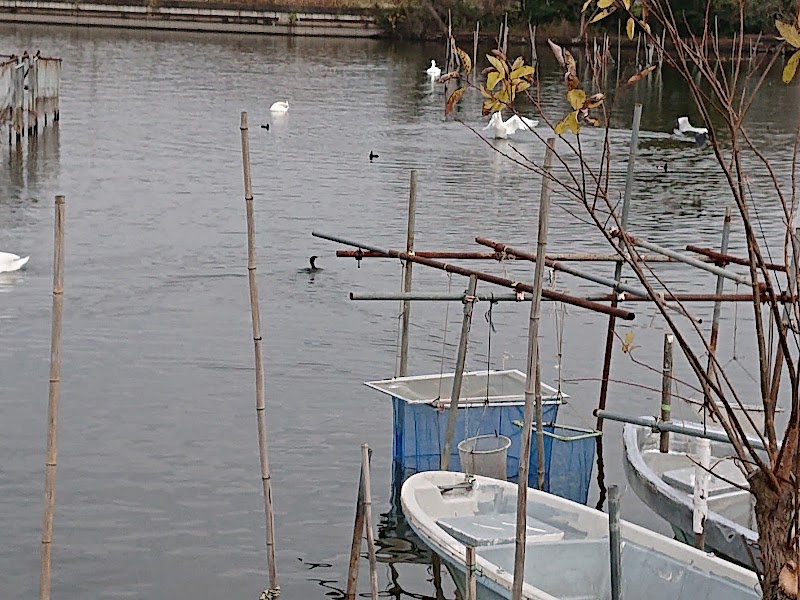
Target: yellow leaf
{"type": "Point", "coordinates": [640, 75]}
{"type": "Point", "coordinates": [629, 28]}
{"type": "Point", "coordinates": [453, 100]}
{"type": "Point", "coordinates": [791, 67]}
{"type": "Point", "coordinates": [517, 63]}
{"type": "Point", "coordinates": [497, 64]}
{"type": "Point", "coordinates": [464, 59]}
{"type": "Point", "coordinates": [604, 3]}
{"type": "Point", "coordinates": [586, 5]}
{"type": "Point", "coordinates": [789, 33]}
{"type": "Point", "coordinates": [524, 71]}
{"type": "Point", "coordinates": [627, 4]}
{"type": "Point", "coordinates": [602, 15]}
{"type": "Point", "coordinates": [492, 80]}
{"type": "Point", "coordinates": [576, 98]}
{"type": "Point", "coordinates": [484, 93]}
{"type": "Point", "coordinates": [522, 86]}
{"type": "Point", "coordinates": [569, 62]}
{"type": "Point", "coordinates": [569, 122]}
{"type": "Point", "coordinates": [626, 343]}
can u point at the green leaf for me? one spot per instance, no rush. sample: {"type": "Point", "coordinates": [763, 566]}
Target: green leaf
{"type": "Point", "coordinates": [630, 27]}
{"type": "Point", "coordinates": [492, 80]}
{"type": "Point", "coordinates": [453, 100]}
{"type": "Point", "coordinates": [569, 122]}
{"type": "Point", "coordinates": [602, 14]}
{"type": "Point", "coordinates": [789, 33]}
{"type": "Point", "coordinates": [576, 98]}
{"type": "Point", "coordinates": [791, 67]}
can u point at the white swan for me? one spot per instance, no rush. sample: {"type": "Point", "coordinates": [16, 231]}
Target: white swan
{"type": "Point", "coordinates": [684, 129]}
{"type": "Point", "coordinates": [433, 70]}
{"type": "Point", "coordinates": [280, 107]}
{"type": "Point", "coordinates": [11, 262]}
{"type": "Point", "coordinates": [502, 129]}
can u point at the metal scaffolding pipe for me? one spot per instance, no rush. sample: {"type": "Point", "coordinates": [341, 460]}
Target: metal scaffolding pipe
{"type": "Point", "coordinates": [723, 258]}
{"type": "Point", "coordinates": [438, 297]}
{"type": "Point", "coordinates": [561, 267]}
{"type": "Point", "coordinates": [686, 259]}
{"type": "Point", "coordinates": [498, 256]}
{"type": "Point", "coordinates": [501, 281]}
{"type": "Point", "coordinates": [688, 298]}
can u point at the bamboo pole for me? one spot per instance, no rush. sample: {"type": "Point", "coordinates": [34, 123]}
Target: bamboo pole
{"type": "Point", "coordinates": [373, 561]}
{"type": "Point", "coordinates": [666, 391]}
{"type": "Point", "coordinates": [51, 465]}
{"type": "Point", "coordinates": [723, 259]}
{"type": "Point", "coordinates": [472, 583]}
{"type": "Point", "coordinates": [458, 376]}
{"type": "Point", "coordinates": [712, 344]}
{"type": "Point", "coordinates": [615, 542]}
{"type": "Point", "coordinates": [266, 479]}
{"type": "Point", "coordinates": [475, 48]}
{"type": "Point", "coordinates": [533, 392]}
{"type": "Point", "coordinates": [407, 273]}
{"type": "Point", "coordinates": [702, 477]}
{"type": "Point", "coordinates": [358, 533]}
{"type": "Point", "coordinates": [499, 256]}
{"type": "Point", "coordinates": [516, 285]}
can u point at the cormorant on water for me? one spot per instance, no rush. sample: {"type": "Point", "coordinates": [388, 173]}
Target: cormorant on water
{"type": "Point", "coordinates": [313, 268]}
{"type": "Point", "coordinates": [265, 126]}
{"type": "Point", "coordinates": [372, 155]}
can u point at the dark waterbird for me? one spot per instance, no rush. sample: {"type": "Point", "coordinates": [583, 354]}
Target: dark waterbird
{"type": "Point", "coordinates": [372, 155]}
{"type": "Point", "coordinates": [313, 268]}
{"type": "Point", "coordinates": [265, 126]}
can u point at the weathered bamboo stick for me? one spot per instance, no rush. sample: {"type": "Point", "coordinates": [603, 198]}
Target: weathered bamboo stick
{"type": "Point", "coordinates": [358, 534]}
{"type": "Point", "coordinates": [712, 344]}
{"type": "Point", "coordinates": [784, 297]}
{"type": "Point", "coordinates": [475, 68]}
{"type": "Point", "coordinates": [615, 542]}
{"type": "Point", "coordinates": [373, 561]}
{"type": "Point", "coordinates": [51, 465]}
{"type": "Point", "coordinates": [458, 376]}
{"type": "Point", "coordinates": [499, 256]}
{"type": "Point", "coordinates": [472, 582]}
{"type": "Point", "coordinates": [437, 297]}
{"type": "Point", "coordinates": [666, 391]}
{"type": "Point", "coordinates": [266, 479]}
{"type": "Point", "coordinates": [516, 285]}
{"type": "Point", "coordinates": [533, 391]}
{"type": "Point", "coordinates": [407, 274]}
{"type": "Point", "coordinates": [702, 477]}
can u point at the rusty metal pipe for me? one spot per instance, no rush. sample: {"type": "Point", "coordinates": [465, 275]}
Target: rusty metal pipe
{"type": "Point", "coordinates": [722, 258]}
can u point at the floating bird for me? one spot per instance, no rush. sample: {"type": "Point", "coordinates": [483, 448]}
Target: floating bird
{"type": "Point", "coordinates": [280, 107]}
{"type": "Point", "coordinates": [433, 70]}
{"type": "Point", "coordinates": [683, 129]}
{"type": "Point", "coordinates": [313, 268]}
{"type": "Point", "coordinates": [502, 129]}
{"type": "Point", "coordinates": [11, 262]}
{"type": "Point", "coordinates": [265, 126]}
{"type": "Point", "coordinates": [372, 155]}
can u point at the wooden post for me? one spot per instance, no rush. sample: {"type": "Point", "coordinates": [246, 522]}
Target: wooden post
{"type": "Point", "coordinates": [358, 534]}
{"type": "Point", "coordinates": [407, 272]}
{"type": "Point", "coordinates": [458, 376]}
{"type": "Point", "coordinates": [533, 392]}
{"type": "Point", "coordinates": [702, 477]}
{"type": "Point", "coordinates": [472, 582]}
{"type": "Point", "coordinates": [723, 249]}
{"type": "Point", "coordinates": [666, 391]}
{"type": "Point", "coordinates": [615, 542]}
{"type": "Point", "coordinates": [52, 402]}
{"type": "Point", "coordinates": [373, 561]}
{"type": "Point", "coordinates": [534, 55]}
{"type": "Point", "coordinates": [475, 49]}
{"type": "Point", "coordinates": [266, 479]}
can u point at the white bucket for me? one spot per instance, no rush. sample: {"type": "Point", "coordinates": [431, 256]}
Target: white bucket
{"type": "Point", "coordinates": [484, 455]}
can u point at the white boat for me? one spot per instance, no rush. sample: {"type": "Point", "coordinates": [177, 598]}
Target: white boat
{"type": "Point", "coordinates": [665, 483]}
{"type": "Point", "coordinates": [11, 262]}
{"type": "Point", "coordinates": [567, 555]}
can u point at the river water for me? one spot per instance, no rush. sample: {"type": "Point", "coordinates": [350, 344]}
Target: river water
{"type": "Point", "coordinates": [158, 479]}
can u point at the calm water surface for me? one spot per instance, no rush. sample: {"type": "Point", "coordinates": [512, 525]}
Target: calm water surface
{"type": "Point", "coordinates": [158, 487]}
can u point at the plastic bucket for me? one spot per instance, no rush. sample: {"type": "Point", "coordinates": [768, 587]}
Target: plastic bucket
{"type": "Point", "coordinates": [484, 455]}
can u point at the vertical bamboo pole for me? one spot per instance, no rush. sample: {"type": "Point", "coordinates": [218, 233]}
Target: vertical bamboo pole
{"type": "Point", "coordinates": [407, 272]}
{"type": "Point", "coordinates": [472, 583]}
{"type": "Point", "coordinates": [505, 36]}
{"type": "Point", "coordinates": [534, 55]}
{"type": "Point", "coordinates": [612, 322]}
{"type": "Point", "coordinates": [358, 533]}
{"type": "Point", "coordinates": [52, 402]}
{"type": "Point", "coordinates": [533, 392]}
{"type": "Point", "coordinates": [266, 479]}
{"type": "Point", "coordinates": [615, 542]}
{"type": "Point", "coordinates": [700, 495]}
{"type": "Point", "coordinates": [666, 391]}
{"type": "Point", "coordinates": [475, 48]}
{"type": "Point", "coordinates": [723, 249]}
{"type": "Point", "coordinates": [458, 376]}
{"type": "Point", "coordinates": [373, 561]}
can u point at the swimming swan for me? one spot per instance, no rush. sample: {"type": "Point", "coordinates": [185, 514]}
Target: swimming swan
{"type": "Point", "coordinates": [433, 70]}
{"type": "Point", "coordinates": [502, 129]}
{"type": "Point", "coordinates": [683, 129]}
{"type": "Point", "coordinates": [280, 107]}
{"type": "Point", "coordinates": [11, 262]}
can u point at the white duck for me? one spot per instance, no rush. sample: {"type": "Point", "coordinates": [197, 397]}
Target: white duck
{"type": "Point", "coordinates": [684, 129]}
{"type": "Point", "coordinates": [502, 129]}
{"type": "Point", "coordinates": [434, 71]}
{"type": "Point", "coordinates": [11, 262]}
{"type": "Point", "coordinates": [280, 107]}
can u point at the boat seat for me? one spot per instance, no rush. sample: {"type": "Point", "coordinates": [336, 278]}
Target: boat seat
{"type": "Point", "coordinates": [683, 479]}
{"type": "Point", "coordinates": [494, 529]}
